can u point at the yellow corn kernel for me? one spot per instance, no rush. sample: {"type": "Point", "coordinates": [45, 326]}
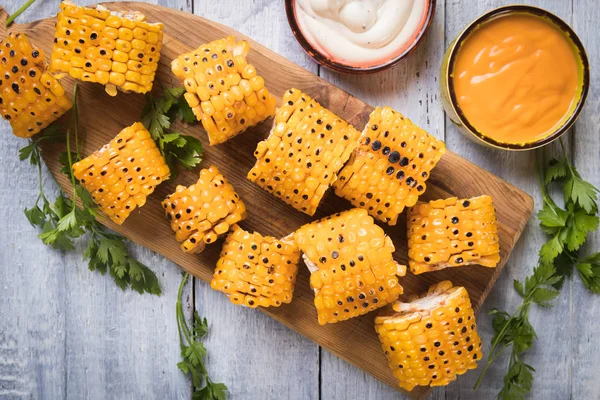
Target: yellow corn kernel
{"type": "Point", "coordinates": [197, 213]}
{"type": "Point", "coordinates": [141, 166]}
{"type": "Point", "coordinates": [306, 148]}
{"type": "Point", "coordinates": [387, 172]}
{"type": "Point", "coordinates": [256, 270]}
{"type": "Point", "coordinates": [211, 71]}
{"type": "Point", "coordinates": [431, 339]}
{"type": "Point", "coordinates": [30, 97]}
{"type": "Point", "coordinates": [452, 233]}
{"type": "Point", "coordinates": [94, 39]}
{"type": "Point", "coordinates": [352, 273]}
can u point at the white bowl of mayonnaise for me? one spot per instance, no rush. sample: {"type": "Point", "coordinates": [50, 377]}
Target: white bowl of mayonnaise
{"type": "Point", "coordinates": [359, 36]}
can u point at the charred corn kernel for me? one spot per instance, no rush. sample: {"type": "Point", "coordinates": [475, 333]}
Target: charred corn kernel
{"type": "Point", "coordinates": [121, 174]}
{"type": "Point", "coordinates": [352, 268]}
{"type": "Point", "coordinates": [95, 39]}
{"type": "Point", "coordinates": [30, 97]}
{"type": "Point", "coordinates": [256, 270]}
{"type": "Point", "coordinates": [451, 233]}
{"type": "Point", "coordinates": [306, 148]}
{"type": "Point", "coordinates": [431, 339]}
{"type": "Point", "coordinates": [201, 212]}
{"type": "Point", "coordinates": [387, 172]}
{"type": "Point", "coordinates": [211, 74]}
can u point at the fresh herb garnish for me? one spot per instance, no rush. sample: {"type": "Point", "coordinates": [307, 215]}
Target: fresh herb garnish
{"type": "Point", "coordinates": [158, 116]}
{"type": "Point", "coordinates": [62, 220]}
{"type": "Point", "coordinates": [20, 11]}
{"type": "Point", "coordinates": [567, 229]}
{"type": "Point", "coordinates": [193, 353]}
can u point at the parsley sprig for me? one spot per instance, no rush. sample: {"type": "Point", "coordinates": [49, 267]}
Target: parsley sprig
{"type": "Point", "coordinates": [567, 229]}
{"type": "Point", "coordinates": [158, 116]}
{"type": "Point", "coordinates": [62, 220]}
{"type": "Point", "coordinates": [193, 353]}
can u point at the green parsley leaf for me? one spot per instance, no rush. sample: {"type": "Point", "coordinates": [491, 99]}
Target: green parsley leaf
{"type": "Point", "coordinates": [556, 170]}
{"type": "Point", "coordinates": [35, 215]}
{"type": "Point", "coordinates": [62, 220]}
{"type": "Point", "coordinates": [158, 115]}
{"type": "Point", "coordinates": [567, 231]}
{"type": "Point", "coordinates": [193, 352]}
{"type": "Point", "coordinates": [589, 271]}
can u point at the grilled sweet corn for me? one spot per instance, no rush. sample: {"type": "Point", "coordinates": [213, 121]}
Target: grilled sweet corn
{"type": "Point", "coordinates": [123, 173]}
{"type": "Point", "coordinates": [223, 89]}
{"type": "Point", "coordinates": [256, 270]}
{"type": "Point", "coordinates": [451, 233]}
{"type": "Point", "coordinates": [352, 268]}
{"type": "Point", "coordinates": [201, 212]}
{"type": "Point", "coordinates": [118, 50]}
{"type": "Point", "coordinates": [303, 153]}
{"type": "Point", "coordinates": [30, 97]}
{"type": "Point", "coordinates": [389, 169]}
{"type": "Point", "coordinates": [432, 339]}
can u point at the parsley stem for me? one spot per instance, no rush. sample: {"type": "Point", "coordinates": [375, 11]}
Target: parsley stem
{"type": "Point", "coordinates": [73, 122]}
{"type": "Point", "coordinates": [19, 12]}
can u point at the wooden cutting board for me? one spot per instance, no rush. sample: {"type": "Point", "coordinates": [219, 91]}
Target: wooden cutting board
{"type": "Point", "coordinates": [355, 340]}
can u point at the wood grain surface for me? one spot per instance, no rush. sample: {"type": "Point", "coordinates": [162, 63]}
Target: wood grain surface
{"type": "Point", "coordinates": [353, 340]}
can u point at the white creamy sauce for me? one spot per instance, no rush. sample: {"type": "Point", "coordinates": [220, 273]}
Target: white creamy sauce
{"type": "Point", "coordinates": [360, 32]}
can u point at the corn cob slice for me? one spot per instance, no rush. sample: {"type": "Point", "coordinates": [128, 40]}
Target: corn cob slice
{"type": "Point", "coordinates": [200, 213]}
{"type": "Point", "coordinates": [389, 169]}
{"type": "Point", "coordinates": [223, 90]}
{"type": "Point", "coordinates": [116, 49]}
{"type": "Point", "coordinates": [256, 270]}
{"type": "Point", "coordinates": [30, 97]}
{"type": "Point", "coordinates": [431, 339]}
{"type": "Point", "coordinates": [352, 268]}
{"type": "Point", "coordinates": [306, 148]}
{"type": "Point", "coordinates": [123, 173]}
{"type": "Point", "coordinates": [452, 233]}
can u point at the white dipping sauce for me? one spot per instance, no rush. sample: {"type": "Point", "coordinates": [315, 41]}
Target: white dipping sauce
{"type": "Point", "coordinates": [360, 32]}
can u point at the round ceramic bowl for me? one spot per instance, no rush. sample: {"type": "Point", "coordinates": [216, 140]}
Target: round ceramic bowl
{"type": "Point", "coordinates": [324, 60]}
{"type": "Point", "coordinates": [449, 96]}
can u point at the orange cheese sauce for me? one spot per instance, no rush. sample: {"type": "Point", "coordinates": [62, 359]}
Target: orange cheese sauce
{"type": "Point", "coordinates": [516, 78]}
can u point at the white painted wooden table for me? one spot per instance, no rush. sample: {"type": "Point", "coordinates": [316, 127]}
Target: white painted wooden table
{"type": "Point", "coordinates": [66, 332]}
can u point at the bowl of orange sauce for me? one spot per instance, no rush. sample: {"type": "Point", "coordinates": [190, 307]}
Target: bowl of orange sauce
{"type": "Point", "coordinates": [516, 78]}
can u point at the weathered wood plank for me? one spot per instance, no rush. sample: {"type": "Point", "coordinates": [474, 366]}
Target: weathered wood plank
{"type": "Point", "coordinates": [585, 352]}
{"type": "Point", "coordinates": [69, 332]}
{"type": "Point", "coordinates": [412, 88]}
{"type": "Point", "coordinates": [518, 168]}
{"type": "Point", "coordinates": [257, 357]}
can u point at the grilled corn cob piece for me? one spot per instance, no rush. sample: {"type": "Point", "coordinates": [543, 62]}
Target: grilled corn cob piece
{"type": "Point", "coordinates": [30, 97]}
{"type": "Point", "coordinates": [352, 268]}
{"type": "Point", "coordinates": [431, 339]}
{"type": "Point", "coordinates": [256, 270]}
{"type": "Point", "coordinates": [223, 89]}
{"type": "Point", "coordinates": [200, 213]}
{"type": "Point", "coordinates": [116, 49]}
{"type": "Point", "coordinates": [123, 173]}
{"type": "Point", "coordinates": [389, 169]}
{"type": "Point", "coordinates": [451, 233]}
{"type": "Point", "coordinates": [303, 153]}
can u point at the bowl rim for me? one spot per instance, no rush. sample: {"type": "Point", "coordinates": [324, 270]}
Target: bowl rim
{"type": "Point", "coordinates": [571, 36]}
{"type": "Point", "coordinates": [340, 67]}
